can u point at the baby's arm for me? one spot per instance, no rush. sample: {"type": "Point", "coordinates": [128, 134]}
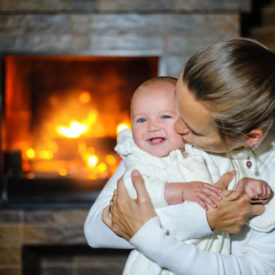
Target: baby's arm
{"type": "Point", "coordinates": [154, 186]}
{"type": "Point", "coordinates": [194, 191]}
{"type": "Point", "coordinates": [257, 190]}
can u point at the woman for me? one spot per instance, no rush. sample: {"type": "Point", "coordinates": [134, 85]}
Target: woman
{"type": "Point", "coordinates": [226, 97]}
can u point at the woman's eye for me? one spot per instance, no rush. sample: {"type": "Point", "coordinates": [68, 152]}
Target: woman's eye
{"type": "Point", "coordinates": [165, 116]}
{"type": "Point", "coordinates": [141, 120]}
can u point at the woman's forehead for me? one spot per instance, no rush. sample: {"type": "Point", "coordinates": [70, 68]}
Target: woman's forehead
{"type": "Point", "coordinates": [192, 111]}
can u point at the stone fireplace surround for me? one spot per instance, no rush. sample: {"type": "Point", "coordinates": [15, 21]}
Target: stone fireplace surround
{"type": "Point", "coordinates": [171, 29]}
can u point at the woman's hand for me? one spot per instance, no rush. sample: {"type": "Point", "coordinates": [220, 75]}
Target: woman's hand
{"type": "Point", "coordinates": [125, 216]}
{"type": "Point", "coordinates": [231, 211]}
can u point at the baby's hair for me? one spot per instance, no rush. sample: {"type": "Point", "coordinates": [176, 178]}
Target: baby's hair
{"type": "Point", "coordinates": [158, 79]}
{"type": "Point", "coordinates": [155, 80]}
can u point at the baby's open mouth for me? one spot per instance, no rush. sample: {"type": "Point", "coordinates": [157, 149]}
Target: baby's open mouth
{"type": "Point", "coordinates": [156, 140]}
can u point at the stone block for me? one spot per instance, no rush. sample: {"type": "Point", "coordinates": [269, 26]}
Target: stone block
{"type": "Point", "coordinates": [47, 24]}
{"type": "Point", "coordinates": [79, 43]}
{"type": "Point", "coordinates": [80, 23]}
{"type": "Point", "coordinates": [134, 42]}
{"type": "Point", "coordinates": [43, 234]}
{"type": "Point", "coordinates": [142, 23]}
{"type": "Point", "coordinates": [11, 235]}
{"type": "Point", "coordinates": [10, 256]}
{"type": "Point", "coordinates": [9, 42]}
{"type": "Point", "coordinates": [203, 24]}
{"type": "Point", "coordinates": [11, 216]}
{"type": "Point", "coordinates": [184, 45]}
{"type": "Point", "coordinates": [174, 65]}
{"type": "Point", "coordinates": [213, 5]}
{"type": "Point", "coordinates": [44, 42]}
{"type": "Point", "coordinates": [55, 217]}
{"type": "Point", "coordinates": [49, 5]}
{"type": "Point", "coordinates": [11, 270]}
{"type": "Point", "coordinates": [135, 5]}
{"type": "Point", "coordinates": [11, 24]}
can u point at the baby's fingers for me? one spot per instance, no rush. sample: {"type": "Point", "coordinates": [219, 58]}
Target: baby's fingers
{"type": "Point", "coordinates": [212, 191]}
{"type": "Point", "coordinates": [202, 203]}
{"type": "Point", "coordinates": [206, 199]}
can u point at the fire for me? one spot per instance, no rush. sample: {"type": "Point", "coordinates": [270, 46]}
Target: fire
{"type": "Point", "coordinates": [75, 130]}
{"type": "Point", "coordinates": [76, 144]}
{"type": "Point", "coordinates": [30, 153]}
{"type": "Point", "coordinates": [84, 97]}
{"type": "Point", "coordinates": [92, 160]}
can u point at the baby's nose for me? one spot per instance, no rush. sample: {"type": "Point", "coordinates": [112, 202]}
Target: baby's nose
{"type": "Point", "coordinates": [154, 126]}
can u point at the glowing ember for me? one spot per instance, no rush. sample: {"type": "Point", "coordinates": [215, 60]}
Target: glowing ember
{"type": "Point", "coordinates": [63, 172]}
{"type": "Point", "coordinates": [44, 154]}
{"type": "Point", "coordinates": [84, 97]}
{"type": "Point", "coordinates": [110, 159]}
{"type": "Point", "coordinates": [75, 130]}
{"type": "Point", "coordinates": [92, 160]}
{"type": "Point", "coordinates": [30, 153]}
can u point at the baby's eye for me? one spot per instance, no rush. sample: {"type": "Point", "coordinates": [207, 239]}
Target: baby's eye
{"type": "Point", "coordinates": [166, 116]}
{"type": "Point", "coordinates": [141, 120]}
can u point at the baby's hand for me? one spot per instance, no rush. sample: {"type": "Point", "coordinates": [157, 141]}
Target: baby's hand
{"type": "Point", "coordinates": [257, 190]}
{"type": "Point", "coordinates": [200, 193]}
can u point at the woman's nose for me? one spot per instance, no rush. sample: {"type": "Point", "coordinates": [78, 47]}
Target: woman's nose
{"type": "Point", "coordinates": [181, 128]}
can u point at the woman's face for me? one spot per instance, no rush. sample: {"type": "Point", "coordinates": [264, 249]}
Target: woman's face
{"type": "Point", "coordinates": [195, 123]}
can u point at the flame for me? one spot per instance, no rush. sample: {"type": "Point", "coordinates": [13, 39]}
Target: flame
{"type": "Point", "coordinates": [122, 126]}
{"type": "Point", "coordinates": [102, 167]}
{"type": "Point", "coordinates": [75, 130]}
{"type": "Point", "coordinates": [110, 159]}
{"type": "Point", "coordinates": [62, 152]}
{"type": "Point", "coordinates": [63, 172]}
{"type": "Point", "coordinates": [30, 153]}
{"type": "Point", "coordinates": [92, 160]}
{"type": "Point", "coordinates": [84, 97]}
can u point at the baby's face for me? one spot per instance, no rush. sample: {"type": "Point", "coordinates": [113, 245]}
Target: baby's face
{"type": "Point", "coordinates": [154, 114]}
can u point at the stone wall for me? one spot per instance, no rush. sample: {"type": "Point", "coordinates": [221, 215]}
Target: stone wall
{"type": "Point", "coordinates": [35, 228]}
{"type": "Point", "coordinates": [171, 29]}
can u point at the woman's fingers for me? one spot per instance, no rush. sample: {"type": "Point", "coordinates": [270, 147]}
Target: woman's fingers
{"type": "Point", "coordinates": [106, 217]}
{"type": "Point", "coordinates": [138, 183]}
{"type": "Point", "coordinates": [257, 209]}
{"type": "Point", "coordinates": [121, 190]}
{"type": "Point", "coordinates": [224, 181]}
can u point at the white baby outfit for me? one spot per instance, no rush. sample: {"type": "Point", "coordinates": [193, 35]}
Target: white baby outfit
{"type": "Point", "coordinates": [156, 173]}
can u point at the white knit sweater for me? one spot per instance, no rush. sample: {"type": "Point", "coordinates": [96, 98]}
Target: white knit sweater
{"type": "Point", "coordinates": [157, 172]}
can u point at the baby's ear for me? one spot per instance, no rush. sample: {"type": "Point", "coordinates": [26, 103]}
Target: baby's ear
{"type": "Point", "coordinates": [254, 137]}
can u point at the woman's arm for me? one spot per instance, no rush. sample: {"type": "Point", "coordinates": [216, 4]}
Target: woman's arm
{"type": "Point", "coordinates": [96, 232]}
{"type": "Point", "coordinates": [136, 221]}
{"type": "Point", "coordinates": [256, 258]}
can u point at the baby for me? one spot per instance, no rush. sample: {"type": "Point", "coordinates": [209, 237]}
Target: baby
{"type": "Point", "coordinates": [155, 149]}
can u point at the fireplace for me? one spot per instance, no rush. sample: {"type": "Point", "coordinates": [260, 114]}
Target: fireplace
{"type": "Point", "coordinates": [60, 118]}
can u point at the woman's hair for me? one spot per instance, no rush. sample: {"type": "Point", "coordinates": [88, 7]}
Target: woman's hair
{"type": "Point", "coordinates": [235, 81]}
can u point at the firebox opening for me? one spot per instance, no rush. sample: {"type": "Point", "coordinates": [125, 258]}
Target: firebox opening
{"type": "Point", "coordinates": [62, 113]}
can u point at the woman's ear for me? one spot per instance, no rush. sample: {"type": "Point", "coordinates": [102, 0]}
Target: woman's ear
{"type": "Point", "coordinates": [254, 137]}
